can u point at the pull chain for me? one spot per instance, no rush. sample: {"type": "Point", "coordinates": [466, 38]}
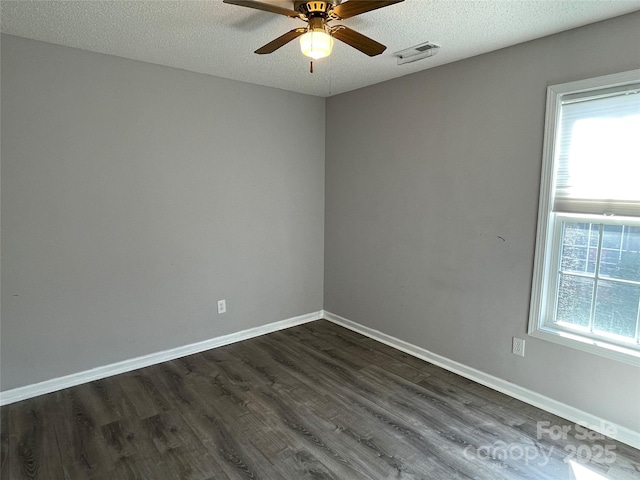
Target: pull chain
{"type": "Point", "coordinates": [311, 68]}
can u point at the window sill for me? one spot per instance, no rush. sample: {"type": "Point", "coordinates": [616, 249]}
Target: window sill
{"type": "Point", "coordinates": [590, 345]}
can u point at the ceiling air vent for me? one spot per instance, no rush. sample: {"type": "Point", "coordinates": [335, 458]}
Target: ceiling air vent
{"type": "Point", "coordinates": [418, 52]}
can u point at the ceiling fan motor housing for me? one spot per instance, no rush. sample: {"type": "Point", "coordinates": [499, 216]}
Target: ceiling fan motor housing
{"type": "Point", "coordinates": [314, 8]}
{"type": "Point", "coordinates": [316, 13]}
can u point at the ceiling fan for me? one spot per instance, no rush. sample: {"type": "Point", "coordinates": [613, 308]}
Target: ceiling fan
{"type": "Point", "coordinates": [316, 39]}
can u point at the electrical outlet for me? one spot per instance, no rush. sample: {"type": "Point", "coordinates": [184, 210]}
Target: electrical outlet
{"type": "Point", "coordinates": [222, 306]}
{"type": "Point", "coordinates": [518, 346]}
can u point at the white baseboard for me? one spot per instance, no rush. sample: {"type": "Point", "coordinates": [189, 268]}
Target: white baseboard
{"type": "Point", "coordinates": [55, 384]}
{"type": "Point", "coordinates": [618, 432]}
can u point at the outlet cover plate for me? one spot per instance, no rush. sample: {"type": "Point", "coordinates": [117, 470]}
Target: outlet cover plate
{"type": "Point", "coordinates": [517, 347]}
{"type": "Point", "coordinates": [222, 306]}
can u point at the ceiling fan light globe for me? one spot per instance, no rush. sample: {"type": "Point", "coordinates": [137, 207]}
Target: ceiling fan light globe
{"type": "Point", "coordinates": [316, 44]}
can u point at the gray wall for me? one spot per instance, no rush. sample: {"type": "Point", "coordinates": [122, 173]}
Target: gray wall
{"type": "Point", "coordinates": [134, 196]}
{"type": "Point", "coordinates": [425, 173]}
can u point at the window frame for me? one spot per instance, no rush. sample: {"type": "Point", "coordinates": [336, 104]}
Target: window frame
{"type": "Point", "coordinates": [549, 231]}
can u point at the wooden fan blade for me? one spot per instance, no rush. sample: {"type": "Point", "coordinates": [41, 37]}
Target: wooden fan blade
{"type": "Point", "coordinates": [266, 7]}
{"type": "Point", "coordinates": [357, 40]}
{"type": "Point", "coordinates": [273, 45]}
{"type": "Point", "coordinates": [356, 7]}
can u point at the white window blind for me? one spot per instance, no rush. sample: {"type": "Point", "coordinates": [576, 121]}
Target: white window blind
{"type": "Point", "coordinates": [598, 153]}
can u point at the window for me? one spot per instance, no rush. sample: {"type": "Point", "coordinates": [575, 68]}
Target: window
{"type": "Point", "coordinates": [586, 285]}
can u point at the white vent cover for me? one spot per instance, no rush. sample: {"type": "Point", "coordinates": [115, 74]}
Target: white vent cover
{"type": "Point", "coordinates": [417, 52]}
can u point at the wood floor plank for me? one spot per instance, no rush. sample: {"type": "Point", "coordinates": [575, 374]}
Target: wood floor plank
{"type": "Point", "coordinates": [79, 441]}
{"type": "Point", "coordinates": [34, 444]}
{"type": "Point", "coordinates": [125, 452]}
{"type": "Point", "coordinates": [141, 388]}
{"type": "Point", "coordinates": [185, 457]}
{"type": "Point", "coordinates": [105, 401]}
{"type": "Point", "coordinates": [385, 355]}
{"type": "Point", "coordinates": [206, 404]}
{"type": "Point", "coordinates": [4, 443]}
{"type": "Point", "coordinates": [358, 349]}
{"type": "Point", "coordinates": [230, 452]}
{"type": "Point", "coordinates": [315, 401]}
{"type": "Point", "coordinates": [143, 404]}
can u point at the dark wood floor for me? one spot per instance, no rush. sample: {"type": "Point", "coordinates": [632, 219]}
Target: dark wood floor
{"type": "Point", "coordinates": [315, 401]}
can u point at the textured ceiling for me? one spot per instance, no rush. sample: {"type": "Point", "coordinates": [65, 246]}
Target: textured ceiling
{"type": "Point", "coordinates": [219, 39]}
